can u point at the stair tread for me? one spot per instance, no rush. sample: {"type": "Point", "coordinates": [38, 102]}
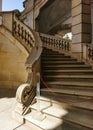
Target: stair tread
{"type": "Point", "coordinates": [48, 123]}
{"type": "Point", "coordinates": [50, 109]}
{"type": "Point", "coordinates": [87, 70]}
{"type": "Point", "coordinates": [69, 76]}
{"type": "Point", "coordinates": [62, 61]}
{"type": "Point", "coordinates": [79, 101]}
{"type": "Point", "coordinates": [67, 65]}
{"type": "Point", "coordinates": [71, 91]}
{"type": "Point", "coordinates": [83, 118]}
{"type": "Point", "coordinates": [56, 58]}
{"type": "Point", "coordinates": [71, 83]}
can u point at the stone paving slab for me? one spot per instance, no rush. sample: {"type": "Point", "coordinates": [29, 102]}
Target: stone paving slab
{"type": "Point", "coordinates": [7, 105]}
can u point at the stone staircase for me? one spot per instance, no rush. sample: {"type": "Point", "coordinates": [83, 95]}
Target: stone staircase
{"type": "Point", "coordinates": [69, 81]}
{"type": "Point", "coordinates": [49, 117]}
{"type": "Point", "coordinates": [66, 82]}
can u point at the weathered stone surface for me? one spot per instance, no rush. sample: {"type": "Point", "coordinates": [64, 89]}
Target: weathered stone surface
{"type": "Point", "coordinates": [81, 23]}
{"type": "Point", "coordinates": [53, 14]}
{"type": "Point", "coordinates": [77, 2]}
{"type": "Point", "coordinates": [85, 28]}
{"type": "Point", "coordinates": [12, 62]}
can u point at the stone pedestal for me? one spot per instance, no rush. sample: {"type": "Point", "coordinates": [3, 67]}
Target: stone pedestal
{"type": "Point", "coordinates": [17, 113]}
{"type": "Point", "coordinates": [81, 25]}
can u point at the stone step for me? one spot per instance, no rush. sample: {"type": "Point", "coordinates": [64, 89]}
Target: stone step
{"type": "Point", "coordinates": [80, 117]}
{"type": "Point", "coordinates": [50, 107]}
{"type": "Point", "coordinates": [81, 92]}
{"type": "Point", "coordinates": [52, 53]}
{"type": "Point", "coordinates": [43, 121]}
{"type": "Point", "coordinates": [81, 84]}
{"type": "Point", "coordinates": [62, 62]}
{"type": "Point", "coordinates": [65, 67]}
{"type": "Point", "coordinates": [69, 82]}
{"type": "Point", "coordinates": [48, 102]}
{"type": "Point", "coordinates": [73, 87]}
{"type": "Point", "coordinates": [67, 125]}
{"type": "Point", "coordinates": [67, 72]}
{"type": "Point", "coordinates": [58, 59]}
{"type": "Point", "coordinates": [77, 100]}
{"type": "Point", "coordinates": [78, 78]}
{"type": "Point", "coordinates": [55, 56]}
{"type": "Point", "coordinates": [59, 118]}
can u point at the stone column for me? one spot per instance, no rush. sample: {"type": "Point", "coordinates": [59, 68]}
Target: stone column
{"type": "Point", "coordinates": [0, 5]}
{"type": "Point", "coordinates": [81, 25]}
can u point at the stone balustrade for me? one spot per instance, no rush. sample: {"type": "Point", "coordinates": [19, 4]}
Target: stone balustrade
{"type": "Point", "coordinates": [55, 43]}
{"type": "Point", "coordinates": [23, 33]}
{"type": "Point", "coordinates": [32, 42]}
{"type": "Point", "coordinates": [88, 52]}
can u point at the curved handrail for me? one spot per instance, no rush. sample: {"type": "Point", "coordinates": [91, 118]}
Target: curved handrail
{"type": "Point", "coordinates": [36, 51]}
{"type": "Point", "coordinates": [26, 92]}
{"type": "Point", "coordinates": [32, 42]}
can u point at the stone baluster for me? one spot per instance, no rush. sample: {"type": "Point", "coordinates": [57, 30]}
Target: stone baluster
{"type": "Point", "coordinates": [55, 43]}
{"type": "Point", "coordinates": [19, 30]}
{"type": "Point", "coordinates": [89, 52]}
{"type": "Point", "coordinates": [22, 35]}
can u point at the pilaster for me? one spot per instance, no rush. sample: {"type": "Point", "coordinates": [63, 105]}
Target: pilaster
{"type": "Point", "coordinates": [81, 24]}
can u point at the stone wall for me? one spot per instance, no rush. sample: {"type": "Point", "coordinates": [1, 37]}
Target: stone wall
{"type": "Point", "coordinates": [53, 13]}
{"type": "Point", "coordinates": [12, 63]}
{"type": "Point", "coordinates": [81, 25]}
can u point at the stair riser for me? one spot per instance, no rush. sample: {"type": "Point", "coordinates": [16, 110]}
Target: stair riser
{"type": "Point", "coordinates": [80, 117]}
{"type": "Point", "coordinates": [67, 73]}
{"type": "Point", "coordinates": [72, 100]}
{"type": "Point", "coordinates": [37, 124]}
{"type": "Point", "coordinates": [67, 125]}
{"type": "Point", "coordinates": [62, 63]}
{"type": "Point", "coordinates": [57, 60]}
{"type": "Point", "coordinates": [50, 53]}
{"type": "Point", "coordinates": [65, 68]}
{"type": "Point", "coordinates": [67, 84]}
{"type": "Point", "coordinates": [73, 91]}
{"type": "Point", "coordinates": [69, 79]}
{"type": "Point", "coordinates": [71, 87]}
{"type": "Point", "coordinates": [55, 56]}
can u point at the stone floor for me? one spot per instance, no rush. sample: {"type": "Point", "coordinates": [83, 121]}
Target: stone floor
{"type": "Point", "coordinates": [7, 105]}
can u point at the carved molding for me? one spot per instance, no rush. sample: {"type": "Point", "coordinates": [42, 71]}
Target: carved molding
{"type": "Point", "coordinates": [22, 93]}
